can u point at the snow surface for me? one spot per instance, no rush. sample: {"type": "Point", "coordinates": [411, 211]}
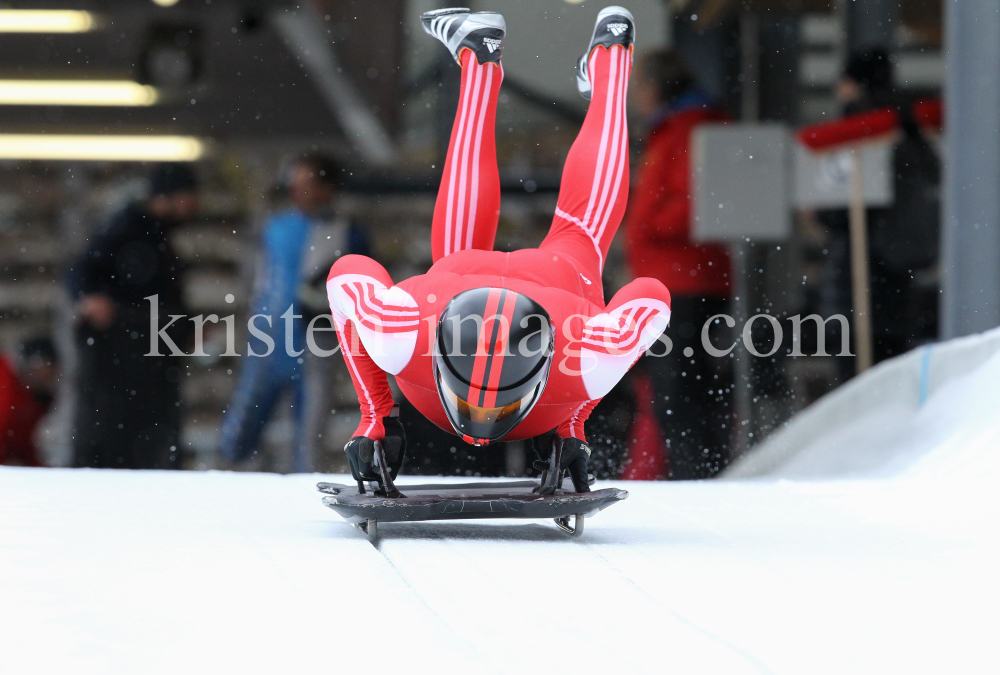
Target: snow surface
{"type": "Point", "coordinates": [157, 572]}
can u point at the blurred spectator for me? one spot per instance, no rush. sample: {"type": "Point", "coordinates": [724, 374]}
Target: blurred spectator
{"type": "Point", "coordinates": [299, 246]}
{"type": "Point", "coordinates": [25, 397]}
{"type": "Point", "coordinates": [691, 394]}
{"type": "Point", "coordinates": [902, 238]}
{"type": "Point", "coordinates": [128, 404]}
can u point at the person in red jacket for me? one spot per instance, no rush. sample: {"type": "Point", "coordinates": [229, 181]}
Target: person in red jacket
{"type": "Point", "coordinates": [504, 346]}
{"type": "Point", "coordinates": [690, 392]}
{"type": "Point", "coordinates": [25, 398]}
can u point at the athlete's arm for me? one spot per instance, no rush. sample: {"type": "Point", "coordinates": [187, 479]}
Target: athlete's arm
{"type": "Point", "coordinates": [613, 340]}
{"type": "Point", "coordinates": [573, 426]}
{"type": "Point", "coordinates": [377, 326]}
{"type": "Point", "coordinates": [370, 383]}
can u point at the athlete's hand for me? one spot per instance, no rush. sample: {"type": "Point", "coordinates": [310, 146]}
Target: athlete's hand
{"type": "Point", "coordinates": [575, 456]}
{"type": "Point", "coordinates": [360, 454]}
{"type": "Point", "coordinates": [361, 450]}
{"type": "Point", "coordinates": [394, 441]}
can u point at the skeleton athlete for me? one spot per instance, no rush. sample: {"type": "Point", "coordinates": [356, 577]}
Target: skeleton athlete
{"type": "Point", "coordinates": [504, 346]}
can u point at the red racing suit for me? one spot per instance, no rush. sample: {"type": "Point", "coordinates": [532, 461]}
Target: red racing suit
{"type": "Point", "coordinates": [390, 328]}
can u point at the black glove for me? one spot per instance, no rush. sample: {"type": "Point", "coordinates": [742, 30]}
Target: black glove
{"type": "Point", "coordinates": [360, 454]}
{"type": "Point", "coordinates": [394, 442]}
{"type": "Point", "coordinates": [361, 450]}
{"type": "Point", "coordinates": [575, 455]}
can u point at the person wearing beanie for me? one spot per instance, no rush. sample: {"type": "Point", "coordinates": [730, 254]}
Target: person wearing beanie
{"type": "Point", "coordinates": [127, 412]}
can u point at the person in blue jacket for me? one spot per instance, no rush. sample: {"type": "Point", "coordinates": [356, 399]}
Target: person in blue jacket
{"type": "Point", "coordinates": [298, 246]}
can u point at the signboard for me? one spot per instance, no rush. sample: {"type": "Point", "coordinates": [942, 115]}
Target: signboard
{"type": "Point", "coordinates": [822, 179]}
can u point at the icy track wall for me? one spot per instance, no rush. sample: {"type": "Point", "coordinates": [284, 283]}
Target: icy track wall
{"type": "Point", "coordinates": [934, 410]}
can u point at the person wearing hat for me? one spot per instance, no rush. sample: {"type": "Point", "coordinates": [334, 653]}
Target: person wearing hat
{"type": "Point", "coordinates": [127, 412]}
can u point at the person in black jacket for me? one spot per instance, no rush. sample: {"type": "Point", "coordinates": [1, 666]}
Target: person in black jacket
{"type": "Point", "coordinates": [127, 412]}
{"type": "Point", "coordinates": [902, 237]}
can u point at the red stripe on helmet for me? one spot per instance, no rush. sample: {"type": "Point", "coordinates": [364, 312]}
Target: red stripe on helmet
{"type": "Point", "coordinates": [500, 349]}
{"type": "Point", "coordinates": [482, 348]}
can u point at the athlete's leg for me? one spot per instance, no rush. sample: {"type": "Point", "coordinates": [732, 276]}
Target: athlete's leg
{"type": "Point", "coordinates": [594, 188]}
{"type": "Point", "coordinates": [468, 201]}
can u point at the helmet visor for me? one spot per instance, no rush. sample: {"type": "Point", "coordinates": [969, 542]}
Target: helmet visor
{"type": "Point", "coordinates": [493, 354]}
{"type": "Point", "coordinates": [485, 423]}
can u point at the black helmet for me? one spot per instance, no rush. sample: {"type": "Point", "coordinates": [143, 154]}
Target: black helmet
{"type": "Point", "coordinates": [493, 355]}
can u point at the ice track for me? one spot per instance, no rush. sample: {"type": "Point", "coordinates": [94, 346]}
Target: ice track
{"type": "Point", "coordinates": [129, 572]}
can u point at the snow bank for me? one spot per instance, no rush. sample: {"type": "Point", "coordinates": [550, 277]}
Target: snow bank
{"type": "Point", "coordinates": [934, 411]}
